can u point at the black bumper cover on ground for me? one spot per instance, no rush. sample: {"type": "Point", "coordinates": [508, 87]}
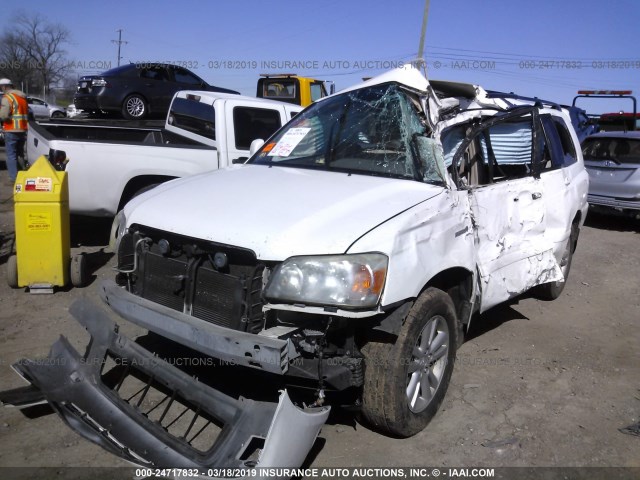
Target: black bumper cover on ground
{"type": "Point", "coordinates": [72, 385]}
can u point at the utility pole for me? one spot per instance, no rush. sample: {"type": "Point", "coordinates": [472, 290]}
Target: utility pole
{"type": "Point", "coordinates": [423, 33]}
{"type": "Point", "coordinates": [119, 42]}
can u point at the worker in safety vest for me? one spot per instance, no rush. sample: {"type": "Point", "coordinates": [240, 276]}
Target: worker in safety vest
{"type": "Point", "coordinates": [13, 115]}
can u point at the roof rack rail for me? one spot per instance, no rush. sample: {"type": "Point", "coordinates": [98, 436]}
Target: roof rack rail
{"type": "Point", "coordinates": [515, 96]}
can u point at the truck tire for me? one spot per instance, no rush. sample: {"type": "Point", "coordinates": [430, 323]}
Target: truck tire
{"type": "Point", "coordinates": [405, 382]}
{"type": "Point", "coordinates": [12, 271]}
{"type": "Point", "coordinates": [134, 107]}
{"type": "Point", "coordinates": [552, 290]}
{"type": "Point", "coordinates": [78, 271]}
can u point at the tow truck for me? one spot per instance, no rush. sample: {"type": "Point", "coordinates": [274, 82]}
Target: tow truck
{"type": "Point", "coordinates": [292, 88]}
{"type": "Point", "coordinates": [617, 120]}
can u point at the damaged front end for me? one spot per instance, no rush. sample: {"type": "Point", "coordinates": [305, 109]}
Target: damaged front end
{"type": "Point", "coordinates": [165, 418]}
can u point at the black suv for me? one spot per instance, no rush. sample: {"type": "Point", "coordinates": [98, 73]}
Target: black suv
{"type": "Point", "coordinates": [137, 89]}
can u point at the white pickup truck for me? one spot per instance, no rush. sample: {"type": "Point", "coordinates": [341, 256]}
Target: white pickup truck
{"type": "Point", "coordinates": [109, 165]}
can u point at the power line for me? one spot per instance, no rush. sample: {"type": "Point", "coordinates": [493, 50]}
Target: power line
{"type": "Point", "coordinates": [520, 55]}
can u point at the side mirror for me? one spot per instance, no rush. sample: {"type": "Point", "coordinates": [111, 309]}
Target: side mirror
{"type": "Point", "coordinates": [255, 146]}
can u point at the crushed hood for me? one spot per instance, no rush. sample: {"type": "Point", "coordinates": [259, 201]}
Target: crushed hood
{"type": "Point", "coordinates": [277, 212]}
{"type": "Point", "coordinates": [406, 75]}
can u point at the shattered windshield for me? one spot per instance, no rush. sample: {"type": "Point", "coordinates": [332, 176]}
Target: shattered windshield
{"type": "Point", "coordinates": [372, 131]}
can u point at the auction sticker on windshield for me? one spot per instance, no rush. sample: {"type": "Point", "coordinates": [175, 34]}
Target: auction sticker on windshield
{"type": "Point", "coordinates": [288, 142]}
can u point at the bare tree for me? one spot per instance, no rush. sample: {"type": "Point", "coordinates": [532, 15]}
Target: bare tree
{"type": "Point", "coordinates": [40, 46]}
{"type": "Point", "coordinates": [13, 59]}
{"type": "Point", "coordinates": [67, 87]}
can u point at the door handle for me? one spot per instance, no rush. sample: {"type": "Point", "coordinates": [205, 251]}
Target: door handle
{"type": "Point", "coordinates": [239, 160]}
{"type": "Point", "coordinates": [536, 195]}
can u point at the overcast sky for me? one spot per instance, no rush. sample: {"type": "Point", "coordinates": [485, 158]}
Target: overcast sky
{"type": "Point", "coordinates": [544, 48]}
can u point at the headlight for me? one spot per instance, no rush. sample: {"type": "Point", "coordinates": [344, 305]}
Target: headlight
{"type": "Point", "coordinates": [346, 281]}
{"type": "Point", "coordinates": [118, 229]}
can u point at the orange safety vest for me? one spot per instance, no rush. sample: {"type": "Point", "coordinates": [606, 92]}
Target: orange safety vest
{"type": "Point", "coordinates": [19, 113]}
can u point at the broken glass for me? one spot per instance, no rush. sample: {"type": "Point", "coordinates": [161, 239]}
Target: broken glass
{"type": "Point", "coordinates": [373, 131]}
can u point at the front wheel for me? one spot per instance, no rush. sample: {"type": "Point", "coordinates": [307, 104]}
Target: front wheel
{"type": "Point", "coordinates": [405, 382]}
{"type": "Point", "coordinates": [12, 271]}
{"type": "Point", "coordinates": [78, 271]}
{"type": "Point", "coordinates": [134, 107]}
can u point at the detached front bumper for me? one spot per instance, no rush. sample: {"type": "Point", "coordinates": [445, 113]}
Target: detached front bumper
{"type": "Point", "coordinates": [250, 433]}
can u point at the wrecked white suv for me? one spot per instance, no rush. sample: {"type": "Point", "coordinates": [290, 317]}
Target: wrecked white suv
{"type": "Point", "coordinates": [347, 256]}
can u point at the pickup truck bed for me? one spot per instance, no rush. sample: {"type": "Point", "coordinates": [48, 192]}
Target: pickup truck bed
{"type": "Point", "coordinates": [108, 164]}
{"type": "Point", "coordinates": [101, 133]}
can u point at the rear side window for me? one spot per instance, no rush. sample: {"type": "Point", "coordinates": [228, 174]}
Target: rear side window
{"type": "Point", "coordinates": [184, 76]}
{"type": "Point", "coordinates": [193, 116]}
{"type": "Point", "coordinates": [252, 123]}
{"type": "Point", "coordinates": [560, 143]}
{"type": "Point", "coordinates": [154, 74]}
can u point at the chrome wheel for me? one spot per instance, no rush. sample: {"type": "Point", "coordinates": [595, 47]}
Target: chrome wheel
{"type": "Point", "coordinates": [135, 107]}
{"type": "Point", "coordinates": [427, 364]}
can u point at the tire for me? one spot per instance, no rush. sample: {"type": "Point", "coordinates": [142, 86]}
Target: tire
{"type": "Point", "coordinates": [552, 290]}
{"type": "Point", "coordinates": [78, 271]}
{"type": "Point", "coordinates": [134, 107]}
{"type": "Point", "coordinates": [57, 114]}
{"type": "Point", "coordinates": [394, 398]}
{"type": "Point", "coordinates": [12, 271]}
